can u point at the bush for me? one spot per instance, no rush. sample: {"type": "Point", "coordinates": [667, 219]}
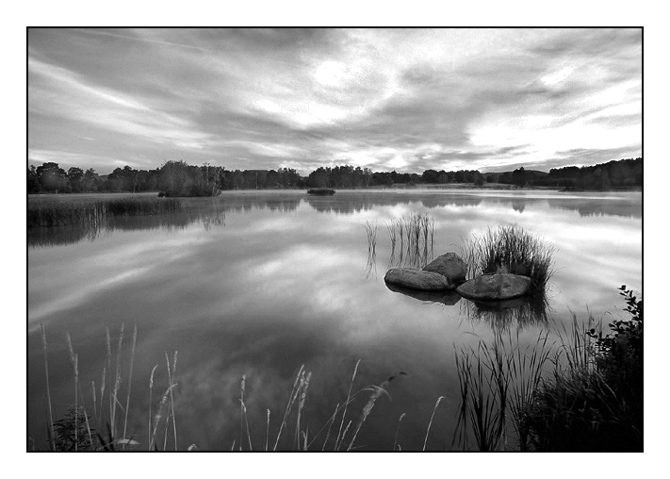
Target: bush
{"type": "Point", "coordinates": [595, 404]}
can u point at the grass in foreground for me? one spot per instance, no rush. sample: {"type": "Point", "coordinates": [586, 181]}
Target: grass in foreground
{"type": "Point", "coordinates": [590, 400]}
{"type": "Point", "coordinates": [581, 393]}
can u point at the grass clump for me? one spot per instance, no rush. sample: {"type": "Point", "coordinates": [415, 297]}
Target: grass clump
{"type": "Point", "coordinates": [411, 238]}
{"type": "Point", "coordinates": [511, 249]}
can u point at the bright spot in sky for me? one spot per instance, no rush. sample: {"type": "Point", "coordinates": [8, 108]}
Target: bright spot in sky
{"type": "Point", "coordinates": [331, 73]}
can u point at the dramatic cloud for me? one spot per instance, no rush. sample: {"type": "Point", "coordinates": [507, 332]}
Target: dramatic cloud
{"type": "Point", "coordinates": [404, 99]}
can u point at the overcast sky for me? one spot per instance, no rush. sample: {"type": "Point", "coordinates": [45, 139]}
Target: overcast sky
{"type": "Point", "coordinates": [403, 99]}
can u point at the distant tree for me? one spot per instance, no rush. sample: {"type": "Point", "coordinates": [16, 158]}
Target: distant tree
{"type": "Point", "coordinates": [173, 176]}
{"type": "Point", "coordinates": [52, 178]}
{"type": "Point", "coordinates": [430, 176]}
{"type": "Point", "coordinates": [91, 180]}
{"type": "Point", "coordinates": [33, 180]}
{"type": "Point", "coordinates": [74, 178]}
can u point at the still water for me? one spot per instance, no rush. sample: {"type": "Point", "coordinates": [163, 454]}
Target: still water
{"type": "Point", "coordinates": [257, 284]}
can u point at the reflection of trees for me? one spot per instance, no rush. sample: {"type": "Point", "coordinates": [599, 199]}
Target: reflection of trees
{"type": "Point", "coordinates": [598, 207]}
{"type": "Point", "coordinates": [211, 213]}
{"type": "Point", "coordinates": [258, 202]}
{"type": "Point", "coordinates": [501, 315]}
{"type": "Point", "coordinates": [355, 202]}
{"type": "Point", "coordinates": [61, 235]}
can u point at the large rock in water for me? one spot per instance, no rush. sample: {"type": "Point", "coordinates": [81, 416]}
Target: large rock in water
{"type": "Point", "coordinates": [416, 279]}
{"type": "Point", "coordinates": [494, 287]}
{"type": "Point", "coordinates": [451, 266]}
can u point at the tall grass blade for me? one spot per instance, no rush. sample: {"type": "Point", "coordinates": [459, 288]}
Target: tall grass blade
{"type": "Point", "coordinates": [52, 435]}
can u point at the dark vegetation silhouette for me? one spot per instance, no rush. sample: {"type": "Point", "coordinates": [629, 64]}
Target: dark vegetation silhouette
{"type": "Point", "coordinates": [177, 178]}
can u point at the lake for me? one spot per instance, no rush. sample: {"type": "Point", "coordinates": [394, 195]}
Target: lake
{"type": "Point", "coordinates": [257, 284]}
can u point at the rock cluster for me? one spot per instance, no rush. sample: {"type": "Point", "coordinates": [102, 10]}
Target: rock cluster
{"type": "Point", "coordinates": [445, 272]}
{"type": "Point", "coordinates": [448, 272]}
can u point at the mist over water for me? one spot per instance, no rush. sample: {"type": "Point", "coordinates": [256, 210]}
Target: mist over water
{"type": "Point", "coordinates": [260, 283]}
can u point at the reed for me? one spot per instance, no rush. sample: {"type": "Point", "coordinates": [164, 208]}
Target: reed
{"type": "Point", "coordinates": [396, 446]}
{"type": "Point", "coordinates": [511, 249]}
{"type": "Point", "coordinates": [52, 434]}
{"type": "Point", "coordinates": [497, 382]}
{"type": "Point", "coordinates": [130, 381]}
{"type": "Point", "coordinates": [346, 405]}
{"type": "Point", "coordinates": [430, 423]}
{"type": "Point", "coordinates": [94, 214]}
{"type": "Point", "coordinates": [412, 240]}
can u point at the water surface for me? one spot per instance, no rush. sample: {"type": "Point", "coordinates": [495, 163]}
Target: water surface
{"type": "Point", "coordinates": [260, 283]}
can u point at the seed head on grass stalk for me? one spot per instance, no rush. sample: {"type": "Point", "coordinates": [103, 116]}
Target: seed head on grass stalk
{"type": "Point", "coordinates": [377, 391]}
{"type": "Point", "coordinates": [396, 446]}
{"type": "Point", "coordinates": [294, 394]}
{"type": "Point", "coordinates": [432, 416]}
{"type": "Point", "coordinates": [346, 404]}
{"type": "Point", "coordinates": [130, 381]}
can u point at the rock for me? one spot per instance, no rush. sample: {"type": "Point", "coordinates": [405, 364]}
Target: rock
{"type": "Point", "coordinates": [416, 279]}
{"type": "Point", "coordinates": [451, 266]}
{"type": "Point", "coordinates": [494, 287]}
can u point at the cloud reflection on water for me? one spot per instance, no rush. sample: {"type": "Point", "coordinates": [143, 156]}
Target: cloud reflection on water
{"type": "Point", "coordinates": [283, 284]}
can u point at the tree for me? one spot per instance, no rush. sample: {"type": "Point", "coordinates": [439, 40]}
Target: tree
{"type": "Point", "coordinates": [52, 178]}
{"type": "Point", "coordinates": [74, 178]}
{"type": "Point", "coordinates": [173, 177]}
{"type": "Point", "coordinates": [33, 180]}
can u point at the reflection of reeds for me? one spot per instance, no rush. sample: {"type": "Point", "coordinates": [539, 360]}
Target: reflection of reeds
{"type": "Point", "coordinates": [501, 315]}
{"type": "Point", "coordinates": [415, 234]}
{"type": "Point", "coordinates": [371, 233]}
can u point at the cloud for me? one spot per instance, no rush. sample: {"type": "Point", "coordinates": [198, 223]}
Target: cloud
{"type": "Point", "coordinates": [409, 99]}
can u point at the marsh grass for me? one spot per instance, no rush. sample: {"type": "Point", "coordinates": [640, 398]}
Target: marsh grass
{"type": "Point", "coordinates": [593, 400]}
{"type": "Point", "coordinates": [497, 381]}
{"type": "Point", "coordinates": [107, 429]}
{"type": "Point", "coordinates": [371, 234]}
{"type": "Point", "coordinates": [93, 214]}
{"type": "Point", "coordinates": [412, 240]}
{"type": "Point", "coordinates": [510, 249]}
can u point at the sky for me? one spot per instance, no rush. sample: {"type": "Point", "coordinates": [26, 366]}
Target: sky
{"type": "Point", "coordinates": [490, 99]}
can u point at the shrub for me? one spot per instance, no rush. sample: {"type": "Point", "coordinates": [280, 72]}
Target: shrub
{"type": "Point", "coordinates": [595, 404]}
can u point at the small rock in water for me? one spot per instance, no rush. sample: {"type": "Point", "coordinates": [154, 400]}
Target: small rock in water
{"type": "Point", "coordinates": [451, 266]}
{"type": "Point", "coordinates": [416, 279]}
{"type": "Point", "coordinates": [495, 287]}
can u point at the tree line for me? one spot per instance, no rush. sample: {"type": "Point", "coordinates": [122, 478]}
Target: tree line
{"type": "Point", "coordinates": [177, 178]}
